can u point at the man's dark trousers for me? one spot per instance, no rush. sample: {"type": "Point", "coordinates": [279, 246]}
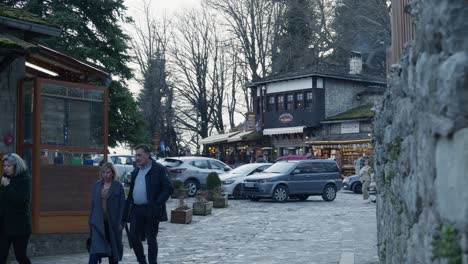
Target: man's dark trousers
{"type": "Point", "coordinates": [141, 225]}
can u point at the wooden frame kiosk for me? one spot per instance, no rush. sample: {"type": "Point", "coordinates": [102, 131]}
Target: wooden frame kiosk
{"type": "Point", "coordinates": [61, 126]}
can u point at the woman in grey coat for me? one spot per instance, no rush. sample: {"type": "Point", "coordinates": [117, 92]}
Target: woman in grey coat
{"type": "Point", "coordinates": [108, 201]}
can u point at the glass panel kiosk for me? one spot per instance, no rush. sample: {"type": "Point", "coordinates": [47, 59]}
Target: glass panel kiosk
{"type": "Point", "coordinates": [62, 126]}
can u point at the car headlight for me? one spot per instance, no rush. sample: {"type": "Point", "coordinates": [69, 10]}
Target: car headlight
{"type": "Point", "coordinates": [267, 180]}
{"type": "Point", "coordinates": [229, 181]}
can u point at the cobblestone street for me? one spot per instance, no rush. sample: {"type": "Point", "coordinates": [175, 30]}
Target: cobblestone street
{"type": "Point", "coordinates": [313, 231]}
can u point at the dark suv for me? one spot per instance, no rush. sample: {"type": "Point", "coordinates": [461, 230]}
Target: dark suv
{"type": "Point", "coordinates": [296, 179]}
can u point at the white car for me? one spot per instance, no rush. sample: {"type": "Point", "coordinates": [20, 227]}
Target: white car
{"type": "Point", "coordinates": [232, 181]}
{"type": "Point", "coordinates": [123, 164]}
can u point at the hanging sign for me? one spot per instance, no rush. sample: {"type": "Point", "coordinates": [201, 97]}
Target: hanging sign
{"type": "Point", "coordinates": [347, 128]}
{"type": "Point", "coordinates": [285, 118]}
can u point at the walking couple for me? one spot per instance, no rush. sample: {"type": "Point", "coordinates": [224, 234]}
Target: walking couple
{"type": "Point", "coordinates": [144, 209]}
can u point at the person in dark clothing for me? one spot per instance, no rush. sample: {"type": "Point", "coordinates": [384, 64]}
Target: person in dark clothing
{"type": "Point", "coordinates": [105, 218]}
{"type": "Point", "coordinates": [145, 207]}
{"type": "Point", "coordinates": [15, 208]}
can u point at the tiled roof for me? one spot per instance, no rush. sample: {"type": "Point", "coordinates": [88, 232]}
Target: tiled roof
{"type": "Point", "coordinates": [325, 70]}
{"type": "Point", "coordinates": [16, 13]}
{"type": "Point", "coordinates": [9, 42]}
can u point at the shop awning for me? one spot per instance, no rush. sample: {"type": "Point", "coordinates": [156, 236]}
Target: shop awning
{"type": "Point", "coordinates": [283, 130]}
{"type": "Point", "coordinates": [238, 137]}
{"type": "Point", "coordinates": [358, 138]}
{"type": "Point", "coordinates": [217, 138]}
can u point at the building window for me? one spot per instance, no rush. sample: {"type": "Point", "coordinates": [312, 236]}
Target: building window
{"type": "Point", "coordinates": [280, 103]}
{"type": "Point", "coordinates": [320, 83]}
{"type": "Point", "coordinates": [271, 104]}
{"type": "Point", "coordinates": [289, 101]}
{"type": "Point", "coordinates": [299, 101]}
{"type": "Point", "coordinates": [309, 100]}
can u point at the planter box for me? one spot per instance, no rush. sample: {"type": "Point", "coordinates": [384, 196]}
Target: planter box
{"type": "Point", "coordinates": [221, 202]}
{"type": "Point", "coordinates": [202, 208]}
{"type": "Point", "coordinates": [179, 193]}
{"type": "Point", "coordinates": [179, 216]}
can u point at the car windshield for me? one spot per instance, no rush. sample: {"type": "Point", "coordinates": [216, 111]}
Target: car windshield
{"type": "Point", "coordinates": [244, 169]}
{"type": "Point", "coordinates": [281, 167]}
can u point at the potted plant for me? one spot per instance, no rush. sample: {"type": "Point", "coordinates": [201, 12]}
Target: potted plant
{"type": "Point", "coordinates": [213, 184]}
{"type": "Point", "coordinates": [202, 206]}
{"type": "Point", "coordinates": [182, 214]}
{"type": "Point", "coordinates": [179, 189]}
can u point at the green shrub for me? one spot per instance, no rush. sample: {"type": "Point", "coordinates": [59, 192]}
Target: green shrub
{"type": "Point", "coordinates": [178, 185]}
{"type": "Point", "coordinates": [213, 182]}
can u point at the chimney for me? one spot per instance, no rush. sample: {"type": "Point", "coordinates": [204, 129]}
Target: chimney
{"type": "Point", "coordinates": [355, 63]}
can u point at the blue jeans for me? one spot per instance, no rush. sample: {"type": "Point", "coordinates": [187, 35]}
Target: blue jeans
{"type": "Point", "coordinates": [139, 227]}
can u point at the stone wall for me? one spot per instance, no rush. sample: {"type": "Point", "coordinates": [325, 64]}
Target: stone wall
{"type": "Point", "coordinates": [340, 95]}
{"type": "Point", "coordinates": [421, 138]}
{"type": "Point", "coordinates": [53, 244]}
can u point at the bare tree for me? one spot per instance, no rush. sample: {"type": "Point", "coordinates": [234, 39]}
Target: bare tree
{"type": "Point", "coordinates": [252, 23]}
{"type": "Point", "coordinates": [156, 98]}
{"type": "Point", "coordinates": [193, 54]}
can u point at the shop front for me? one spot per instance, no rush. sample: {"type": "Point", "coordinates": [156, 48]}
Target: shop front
{"type": "Point", "coordinates": [287, 141]}
{"type": "Point", "coordinates": [345, 152]}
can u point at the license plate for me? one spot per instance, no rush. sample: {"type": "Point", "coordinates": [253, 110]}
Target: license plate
{"type": "Point", "coordinates": [249, 184]}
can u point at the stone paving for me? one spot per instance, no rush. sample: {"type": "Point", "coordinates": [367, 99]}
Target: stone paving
{"type": "Point", "coordinates": [313, 231]}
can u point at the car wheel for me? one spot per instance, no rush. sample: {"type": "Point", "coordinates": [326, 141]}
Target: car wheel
{"type": "Point", "coordinates": [280, 194]}
{"type": "Point", "coordinates": [329, 193]}
{"type": "Point", "coordinates": [254, 198]}
{"type": "Point", "coordinates": [192, 187]}
{"type": "Point", "coordinates": [237, 193]}
{"type": "Point", "coordinates": [357, 188]}
{"type": "Point", "coordinates": [303, 197]}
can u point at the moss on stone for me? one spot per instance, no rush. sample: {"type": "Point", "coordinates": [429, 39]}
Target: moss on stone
{"type": "Point", "coordinates": [446, 245]}
{"type": "Point", "coordinates": [363, 111]}
{"type": "Point", "coordinates": [395, 148]}
{"type": "Point", "coordinates": [389, 176]}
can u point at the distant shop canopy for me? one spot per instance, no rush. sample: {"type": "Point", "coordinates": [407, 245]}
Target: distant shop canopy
{"type": "Point", "coordinates": [283, 130]}
{"type": "Point", "coordinates": [217, 138]}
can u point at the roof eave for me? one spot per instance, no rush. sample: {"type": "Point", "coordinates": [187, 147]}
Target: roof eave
{"type": "Point", "coordinates": [345, 120]}
{"type": "Point", "coordinates": [28, 26]}
{"type": "Point", "coordinates": [255, 84]}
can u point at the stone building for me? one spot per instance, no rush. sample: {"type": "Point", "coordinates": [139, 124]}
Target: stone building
{"type": "Point", "coordinates": [421, 137]}
{"type": "Point", "coordinates": [324, 110]}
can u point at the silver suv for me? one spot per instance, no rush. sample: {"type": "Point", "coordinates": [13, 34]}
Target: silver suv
{"type": "Point", "coordinates": [193, 171]}
{"type": "Point", "coordinates": [296, 179]}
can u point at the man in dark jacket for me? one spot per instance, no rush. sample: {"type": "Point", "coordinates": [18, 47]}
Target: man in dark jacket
{"type": "Point", "coordinates": [146, 203]}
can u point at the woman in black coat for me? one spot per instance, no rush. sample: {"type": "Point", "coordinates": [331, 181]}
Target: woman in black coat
{"type": "Point", "coordinates": [15, 208]}
{"type": "Point", "coordinates": [108, 201]}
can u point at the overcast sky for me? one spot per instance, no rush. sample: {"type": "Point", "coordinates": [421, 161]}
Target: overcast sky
{"type": "Point", "coordinates": [159, 8]}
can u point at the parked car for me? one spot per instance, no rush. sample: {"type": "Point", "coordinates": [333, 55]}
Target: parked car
{"type": "Point", "coordinates": [352, 183]}
{"type": "Point", "coordinates": [232, 181]}
{"type": "Point", "coordinates": [123, 164]}
{"type": "Point", "coordinates": [193, 171]}
{"type": "Point", "coordinates": [295, 157]}
{"type": "Point", "coordinates": [296, 179]}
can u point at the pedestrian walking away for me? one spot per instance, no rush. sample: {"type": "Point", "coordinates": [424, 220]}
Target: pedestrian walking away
{"type": "Point", "coordinates": [145, 207]}
{"type": "Point", "coordinates": [15, 208]}
{"type": "Point", "coordinates": [365, 177]}
{"type": "Point", "coordinates": [105, 218]}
